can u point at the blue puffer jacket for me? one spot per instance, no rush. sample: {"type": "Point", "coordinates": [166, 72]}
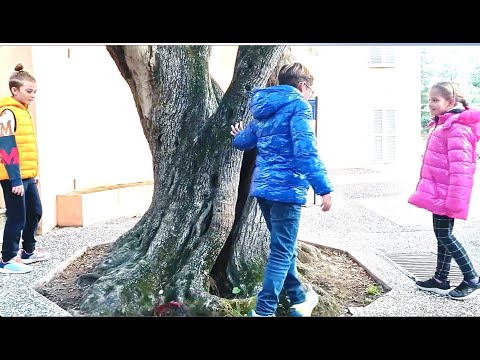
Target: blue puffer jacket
{"type": "Point", "coordinates": [287, 158]}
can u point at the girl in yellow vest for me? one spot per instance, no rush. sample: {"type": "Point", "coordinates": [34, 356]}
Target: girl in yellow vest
{"type": "Point", "coordinates": [18, 169]}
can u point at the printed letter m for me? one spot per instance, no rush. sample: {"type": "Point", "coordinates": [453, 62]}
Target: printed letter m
{"type": "Point", "coordinates": [9, 159]}
{"type": "Point", "coordinates": [6, 130]}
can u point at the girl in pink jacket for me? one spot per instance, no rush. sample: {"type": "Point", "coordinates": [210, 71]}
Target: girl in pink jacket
{"type": "Point", "coordinates": [445, 185]}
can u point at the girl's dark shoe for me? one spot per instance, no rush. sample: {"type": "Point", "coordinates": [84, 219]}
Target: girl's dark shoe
{"type": "Point", "coordinates": [434, 286]}
{"type": "Point", "coordinates": [465, 290]}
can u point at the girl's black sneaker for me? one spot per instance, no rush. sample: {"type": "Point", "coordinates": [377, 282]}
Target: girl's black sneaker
{"type": "Point", "coordinates": [465, 290]}
{"type": "Point", "coordinates": [434, 286]}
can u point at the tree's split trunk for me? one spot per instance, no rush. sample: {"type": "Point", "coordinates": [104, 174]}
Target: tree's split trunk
{"type": "Point", "coordinates": [170, 253]}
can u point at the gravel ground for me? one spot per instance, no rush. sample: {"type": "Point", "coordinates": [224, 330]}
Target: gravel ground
{"type": "Point", "coordinates": [19, 297]}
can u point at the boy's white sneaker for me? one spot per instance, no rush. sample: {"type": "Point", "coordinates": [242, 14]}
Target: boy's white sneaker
{"type": "Point", "coordinates": [14, 266]}
{"type": "Point", "coordinates": [305, 308]}
{"type": "Point", "coordinates": [35, 256]}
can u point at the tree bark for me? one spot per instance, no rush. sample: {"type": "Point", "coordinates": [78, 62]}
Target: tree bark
{"type": "Point", "coordinates": [168, 256]}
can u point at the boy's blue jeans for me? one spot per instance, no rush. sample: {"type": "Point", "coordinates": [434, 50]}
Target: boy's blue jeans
{"type": "Point", "coordinates": [280, 272]}
{"type": "Point", "coordinates": [23, 214]}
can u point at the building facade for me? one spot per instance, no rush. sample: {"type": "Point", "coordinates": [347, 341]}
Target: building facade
{"type": "Point", "coordinates": [368, 113]}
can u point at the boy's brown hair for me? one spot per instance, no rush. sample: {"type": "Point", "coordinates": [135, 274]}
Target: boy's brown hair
{"type": "Point", "coordinates": [292, 74]}
{"type": "Point", "coordinates": [19, 76]}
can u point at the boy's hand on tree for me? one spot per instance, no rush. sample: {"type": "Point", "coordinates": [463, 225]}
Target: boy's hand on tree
{"type": "Point", "coordinates": [236, 128]}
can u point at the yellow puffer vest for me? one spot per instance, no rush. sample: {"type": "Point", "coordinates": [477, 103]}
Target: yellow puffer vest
{"type": "Point", "coordinates": [25, 138]}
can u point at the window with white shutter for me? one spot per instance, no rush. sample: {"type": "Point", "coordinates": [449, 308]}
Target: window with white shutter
{"type": "Point", "coordinates": [382, 56]}
{"type": "Point", "coordinates": [384, 136]}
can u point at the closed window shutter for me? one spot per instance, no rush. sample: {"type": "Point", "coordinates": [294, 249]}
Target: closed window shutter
{"type": "Point", "coordinates": [389, 135]}
{"type": "Point", "coordinates": [382, 56]}
{"type": "Point", "coordinates": [389, 56]}
{"type": "Point", "coordinates": [384, 136]}
{"type": "Point", "coordinates": [378, 136]}
{"type": "Point", "coordinates": [375, 55]}
{"type": "Point", "coordinates": [378, 156]}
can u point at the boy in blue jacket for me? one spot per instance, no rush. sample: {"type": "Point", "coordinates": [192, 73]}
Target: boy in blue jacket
{"type": "Point", "coordinates": [287, 164]}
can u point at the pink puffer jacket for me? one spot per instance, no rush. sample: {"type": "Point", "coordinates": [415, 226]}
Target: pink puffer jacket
{"type": "Point", "coordinates": [446, 177]}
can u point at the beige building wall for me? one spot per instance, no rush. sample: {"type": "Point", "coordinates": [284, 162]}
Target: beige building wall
{"type": "Point", "coordinates": [222, 63]}
{"type": "Point", "coordinates": [399, 88]}
{"type": "Point", "coordinates": [88, 130]}
{"type": "Point", "coordinates": [54, 135]}
{"type": "Point", "coordinates": [340, 78]}
{"type": "Point", "coordinates": [348, 91]}
{"type": "Point", "coordinates": [112, 147]}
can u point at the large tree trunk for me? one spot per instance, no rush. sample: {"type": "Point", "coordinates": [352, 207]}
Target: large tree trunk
{"type": "Point", "coordinates": [170, 253]}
